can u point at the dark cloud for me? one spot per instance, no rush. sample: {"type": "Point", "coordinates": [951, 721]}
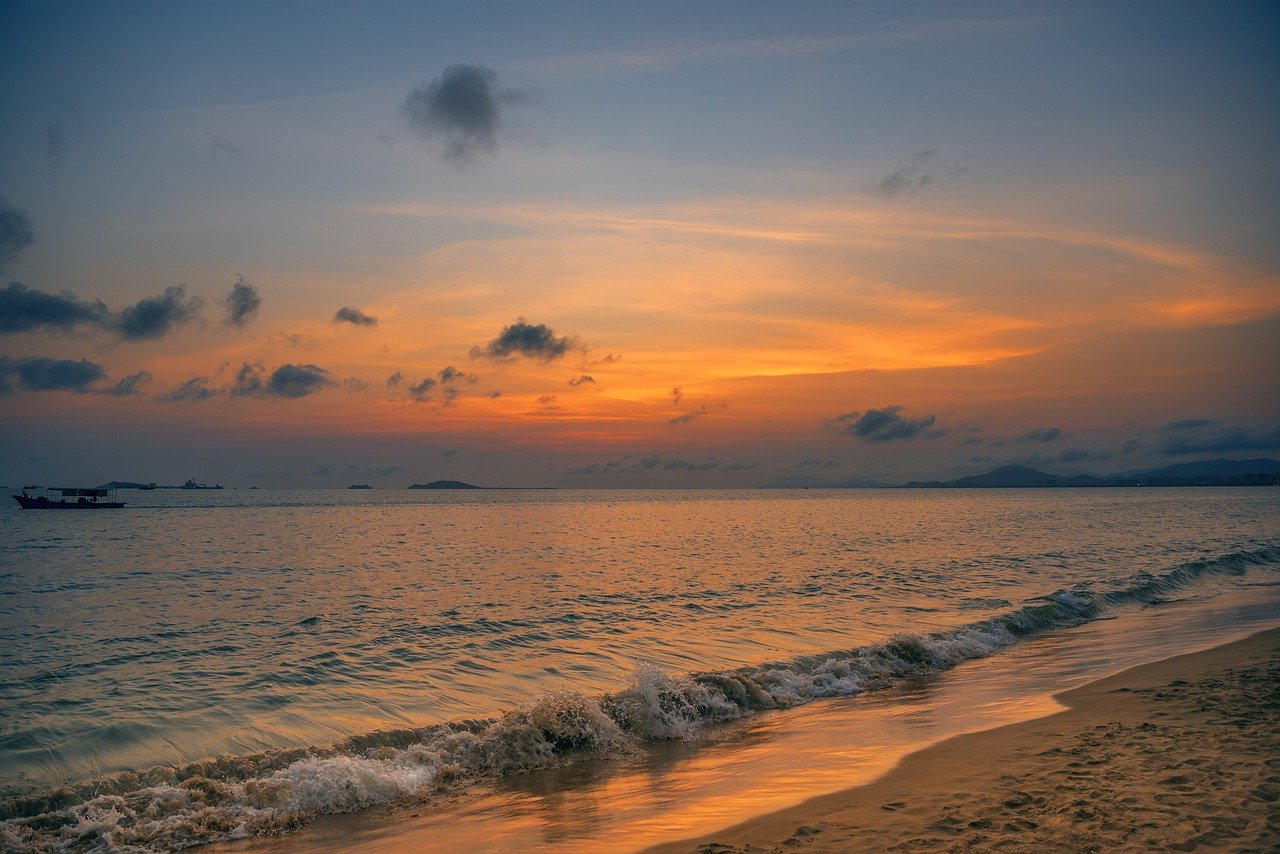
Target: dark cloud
{"type": "Point", "coordinates": [908, 177]}
{"type": "Point", "coordinates": [242, 303]}
{"type": "Point", "coordinates": [449, 453]}
{"type": "Point", "coordinates": [395, 379]}
{"type": "Point", "coordinates": [1203, 436]}
{"type": "Point", "coordinates": [16, 233]}
{"type": "Point", "coordinates": [690, 416]}
{"type": "Point", "coordinates": [450, 374]}
{"type": "Point", "coordinates": [607, 360]}
{"type": "Point", "coordinates": [129, 385]}
{"type": "Point", "coordinates": [548, 401]}
{"type": "Point", "coordinates": [885, 425]}
{"type": "Point", "coordinates": [152, 317]}
{"type": "Point", "coordinates": [809, 463]}
{"type": "Point", "coordinates": [194, 390]}
{"type": "Point", "coordinates": [677, 395]}
{"type": "Point", "coordinates": [354, 316]}
{"type": "Point", "coordinates": [972, 440]}
{"type": "Point", "coordinates": [355, 385]}
{"type": "Point", "coordinates": [25, 310]}
{"type": "Point", "coordinates": [422, 391]}
{"type": "Point", "coordinates": [1041, 434]}
{"type": "Point", "coordinates": [583, 380]}
{"type": "Point", "coordinates": [41, 374]}
{"type": "Point", "coordinates": [1075, 455]}
{"type": "Point", "coordinates": [55, 144]}
{"type": "Point", "coordinates": [655, 463]}
{"type": "Point", "coordinates": [462, 109]}
{"type": "Point", "coordinates": [533, 341]}
{"type": "Point", "coordinates": [287, 381]}
{"type": "Point", "coordinates": [221, 146]}
{"type": "Point", "coordinates": [293, 339]}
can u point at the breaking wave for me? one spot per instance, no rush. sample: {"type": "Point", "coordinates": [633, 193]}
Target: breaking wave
{"type": "Point", "coordinates": [167, 808]}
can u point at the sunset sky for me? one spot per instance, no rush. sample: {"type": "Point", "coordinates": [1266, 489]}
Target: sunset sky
{"type": "Point", "coordinates": [654, 244]}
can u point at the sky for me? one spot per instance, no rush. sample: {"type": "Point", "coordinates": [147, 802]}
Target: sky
{"type": "Point", "coordinates": [287, 244]}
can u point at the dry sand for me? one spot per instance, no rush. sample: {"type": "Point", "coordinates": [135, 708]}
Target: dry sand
{"type": "Point", "coordinates": [1180, 755]}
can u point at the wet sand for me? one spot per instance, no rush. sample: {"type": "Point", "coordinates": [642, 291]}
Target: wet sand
{"type": "Point", "coordinates": [1182, 754]}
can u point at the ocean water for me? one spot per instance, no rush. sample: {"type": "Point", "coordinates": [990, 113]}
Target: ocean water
{"type": "Point", "coordinates": [211, 666]}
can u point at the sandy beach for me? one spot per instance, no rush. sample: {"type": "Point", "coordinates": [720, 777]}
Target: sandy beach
{"type": "Point", "coordinates": [1182, 754]}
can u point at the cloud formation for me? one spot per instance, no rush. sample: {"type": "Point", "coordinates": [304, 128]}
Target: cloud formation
{"type": "Point", "coordinates": [55, 144]}
{"type": "Point", "coordinates": [907, 178]}
{"type": "Point", "coordinates": [533, 341]}
{"type": "Point", "coordinates": [1204, 436]}
{"type": "Point", "coordinates": [421, 392]}
{"type": "Point", "coordinates": [1041, 434]}
{"type": "Point", "coordinates": [23, 309]}
{"type": "Point", "coordinates": [153, 317]}
{"type": "Point", "coordinates": [194, 390]}
{"type": "Point", "coordinates": [287, 381]}
{"type": "Point", "coordinates": [654, 463]}
{"type": "Point", "coordinates": [885, 425]}
{"type": "Point", "coordinates": [242, 303]}
{"type": "Point", "coordinates": [128, 386]}
{"type": "Point", "coordinates": [16, 233]}
{"type": "Point", "coordinates": [42, 374]}
{"type": "Point", "coordinates": [690, 416]}
{"type": "Point", "coordinates": [585, 379]}
{"type": "Point", "coordinates": [462, 109]}
{"type": "Point", "coordinates": [354, 316]}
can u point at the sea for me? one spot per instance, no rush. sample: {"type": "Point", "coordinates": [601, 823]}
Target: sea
{"type": "Point", "coordinates": [566, 670]}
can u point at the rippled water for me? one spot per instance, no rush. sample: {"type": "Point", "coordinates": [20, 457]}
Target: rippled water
{"type": "Point", "coordinates": [192, 625]}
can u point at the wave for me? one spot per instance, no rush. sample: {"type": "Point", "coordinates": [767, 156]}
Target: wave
{"type": "Point", "coordinates": [166, 808]}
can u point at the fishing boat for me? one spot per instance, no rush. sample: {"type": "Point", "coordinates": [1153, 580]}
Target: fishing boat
{"type": "Point", "coordinates": [72, 498]}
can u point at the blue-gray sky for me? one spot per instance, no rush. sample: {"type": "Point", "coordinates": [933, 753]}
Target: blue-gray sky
{"type": "Point", "coordinates": [1004, 217]}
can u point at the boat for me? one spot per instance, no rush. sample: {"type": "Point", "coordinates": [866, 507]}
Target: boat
{"type": "Point", "coordinates": [72, 498]}
{"type": "Point", "coordinates": [191, 484]}
{"type": "Point", "coordinates": [359, 486]}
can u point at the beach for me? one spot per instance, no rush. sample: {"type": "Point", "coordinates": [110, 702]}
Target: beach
{"type": "Point", "coordinates": [1182, 755]}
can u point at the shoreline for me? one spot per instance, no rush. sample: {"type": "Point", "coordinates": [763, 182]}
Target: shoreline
{"type": "Point", "coordinates": [1177, 754]}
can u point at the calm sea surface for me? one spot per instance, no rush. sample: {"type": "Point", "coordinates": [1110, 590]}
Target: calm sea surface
{"type": "Point", "coordinates": [350, 648]}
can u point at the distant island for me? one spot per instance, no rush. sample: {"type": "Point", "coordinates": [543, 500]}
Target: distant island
{"type": "Point", "coordinates": [1202, 473]}
{"type": "Point", "coordinates": [1199, 473]}
{"type": "Point", "coordinates": [445, 484]}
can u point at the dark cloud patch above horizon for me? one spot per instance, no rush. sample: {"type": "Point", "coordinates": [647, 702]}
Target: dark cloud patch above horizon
{"type": "Point", "coordinates": [16, 233]}
{"type": "Point", "coordinates": [242, 303]}
{"type": "Point", "coordinates": [55, 144]}
{"type": "Point", "coordinates": [354, 316]}
{"type": "Point", "coordinates": [909, 177]}
{"type": "Point", "coordinates": [194, 390]}
{"type": "Point", "coordinates": [152, 317]}
{"type": "Point", "coordinates": [886, 425]}
{"type": "Point", "coordinates": [819, 463]}
{"type": "Point", "coordinates": [42, 374]}
{"type": "Point", "coordinates": [689, 417]}
{"type": "Point", "coordinates": [461, 111]}
{"type": "Point", "coordinates": [1041, 434]}
{"type": "Point", "coordinates": [585, 379]}
{"type": "Point", "coordinates": [1206, 436]}
{"type": "Point", "coordinates": [629, 464]}
{"type": "Point", "coordinates": [421, 392]}
{"type": "Point", "coordinates": [532, 341]}
{"type": "Point", "coordinates": [24, 309]}
{"type": "Point", "coordinates": [287, 381]}
{"type": "Point", "coordinates": [128, 386]}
